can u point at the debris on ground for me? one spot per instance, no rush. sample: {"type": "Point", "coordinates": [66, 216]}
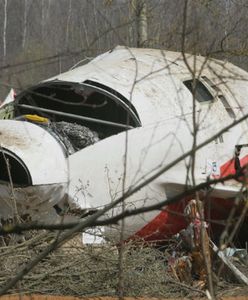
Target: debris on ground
{"type": "Point", "coordinates": [200, 260]}
{"type": "Point", "coordinates": [93, 270]}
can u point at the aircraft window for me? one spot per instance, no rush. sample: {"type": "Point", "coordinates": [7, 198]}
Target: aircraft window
{"type": "Point", "coordinates": [223, 99]}
{"type": "Point", "coordinates": [201, 92]}
{"type": "Point", "coordinates": [227, 106]}
{"type": "Point", "coordinates": [102, 111]}
{"type": "Point", "coordinates": [12, 166]}
{"type": "Point", "coordinates": [128, 104]}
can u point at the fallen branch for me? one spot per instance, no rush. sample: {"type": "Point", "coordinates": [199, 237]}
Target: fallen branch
{"type": "Point", "coordinates": [239, 275]}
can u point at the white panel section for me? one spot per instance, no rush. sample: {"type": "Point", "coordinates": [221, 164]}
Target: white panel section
{"type": "Point", "coordinates": [37, 148]}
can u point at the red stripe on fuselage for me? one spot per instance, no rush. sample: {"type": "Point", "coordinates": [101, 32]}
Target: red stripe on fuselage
{"type": "Point", "coordinates": [228, 168]}
{"type": "Point", "coordinates": [171, 220]}
{"type": "Point", "coordinates": [165, 224]}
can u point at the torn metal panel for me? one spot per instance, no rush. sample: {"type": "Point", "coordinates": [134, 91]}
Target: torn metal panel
{"type": "Point", "coordinates": [32, 202]}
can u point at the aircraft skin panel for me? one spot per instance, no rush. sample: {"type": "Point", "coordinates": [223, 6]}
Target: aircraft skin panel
{"type": "Point", "coordinates": [37, 148]}
{"type": "Point", "coordinates": [107, 172]}
{"type": "Point", "coordinates": [148, 149]}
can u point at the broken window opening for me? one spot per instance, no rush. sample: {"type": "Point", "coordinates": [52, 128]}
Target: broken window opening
{"type": "Point", "coordinates": [200, 91]}
{"type": "Point", "coordinates": [128, 104]}
{"type": "Point", "coordinates": [12, 166]}
{"type": "Point", "coordinates": [87, 107]}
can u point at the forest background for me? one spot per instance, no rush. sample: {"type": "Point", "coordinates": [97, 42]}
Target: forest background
{"type": "Point", "coordinates": [42, 38]}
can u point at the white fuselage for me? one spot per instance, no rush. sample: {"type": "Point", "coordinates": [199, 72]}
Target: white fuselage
{"type": "Point", "coordinates": [172, 122]}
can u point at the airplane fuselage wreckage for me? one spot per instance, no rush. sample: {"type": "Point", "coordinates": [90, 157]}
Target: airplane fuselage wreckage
{"type": "Point", "coordinates": [76, 142]}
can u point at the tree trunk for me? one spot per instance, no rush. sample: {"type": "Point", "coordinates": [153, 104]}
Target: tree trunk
{"type": "Point", "coordinates": [5, 29]}
{"type": "Point", "coordinates": [141, 16]}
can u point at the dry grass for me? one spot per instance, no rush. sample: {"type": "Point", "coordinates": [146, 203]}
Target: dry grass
{"type": "Point", "coordinates": [93, 271]}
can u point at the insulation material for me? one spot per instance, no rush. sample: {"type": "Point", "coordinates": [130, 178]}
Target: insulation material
{"type": "Point", "coordinates": [74, 135]}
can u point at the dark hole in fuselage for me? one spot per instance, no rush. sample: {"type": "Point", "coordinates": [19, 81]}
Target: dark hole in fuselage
{"type": "Point", "coordinates": [13, 170]}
